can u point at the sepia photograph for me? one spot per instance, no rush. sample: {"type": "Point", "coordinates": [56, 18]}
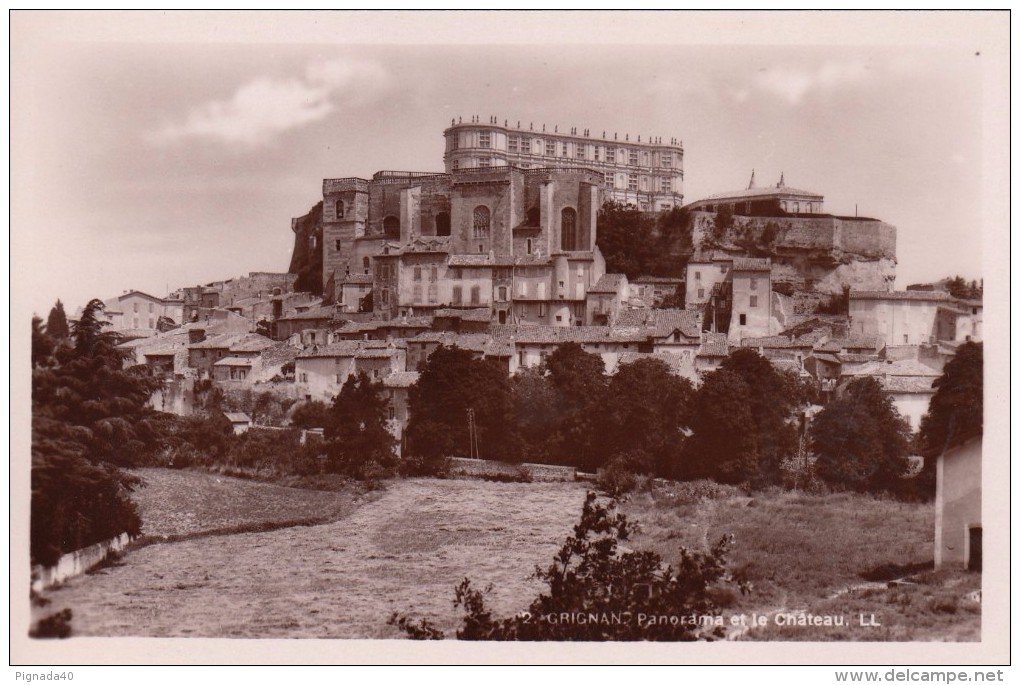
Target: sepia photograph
{"type": "Point", "coordinates": [381, 337]}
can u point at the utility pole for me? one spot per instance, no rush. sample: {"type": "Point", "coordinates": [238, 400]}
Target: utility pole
{"type": "Point", "coordinates": [472, 435]}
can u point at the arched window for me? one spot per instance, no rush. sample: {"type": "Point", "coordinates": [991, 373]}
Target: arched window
{"type": "Point", "coordinates": [442, 223]}
{"type": "Point", "coordinates": [391, 227]}
{"type": "Point", "coordinates": [339, 209]}
{"type": "Point", "coordinates": [481, 221]}
{"type": "Point", "coordinates": [568, 229]}
{"type": "Point", "coordinates": [796, 208]}
{"type": "Point", "coordinates": [534, 217]}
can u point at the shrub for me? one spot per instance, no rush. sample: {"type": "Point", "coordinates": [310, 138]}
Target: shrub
{"type": "Point", "coordinates": [55, 625]}
{"type": "Point", "coordinates": [591, 576]}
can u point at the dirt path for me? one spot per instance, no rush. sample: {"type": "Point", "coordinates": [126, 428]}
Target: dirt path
{"type": "Point", "coordinates": [403, 552]}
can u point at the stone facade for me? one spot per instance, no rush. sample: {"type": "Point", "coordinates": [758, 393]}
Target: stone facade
{"type": "Point", "coordinates": [519, 242]}
{"type": "Point", "coordinates": [647, 174]}
{"type": "Point", "coordinates": [899, 318]}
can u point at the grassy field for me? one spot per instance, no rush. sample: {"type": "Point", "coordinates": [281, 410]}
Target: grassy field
{"type": "Point", "coordinates": [404, 551]}
{"type": "Point", "coordinates": [830, 555]}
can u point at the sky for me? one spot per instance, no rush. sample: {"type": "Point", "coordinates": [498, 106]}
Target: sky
{"type": "Point", "coordinates": [153, 152]}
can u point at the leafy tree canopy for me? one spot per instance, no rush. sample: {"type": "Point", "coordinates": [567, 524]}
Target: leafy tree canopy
{"type": "Point", "coordinates": [956, 411]}
{"type": "Point", "coordinates": [357, 441]}
{"type": "Point", "coordinates": [451, 382]}
{"type": "Point", "coordinates": [861, 441]}
{"type": "Point", "coordinates": [56, 323]}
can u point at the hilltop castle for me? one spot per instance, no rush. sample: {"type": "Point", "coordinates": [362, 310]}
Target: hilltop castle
{"type": "Point", "coordinates": [510, 224]}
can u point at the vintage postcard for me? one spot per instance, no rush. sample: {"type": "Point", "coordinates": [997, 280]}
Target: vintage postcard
{"type": "Point", "coordinates": [489, 337]}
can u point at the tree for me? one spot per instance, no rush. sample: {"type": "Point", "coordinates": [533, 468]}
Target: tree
{"type": "Point", "coordinates": [646, 411]}
{"type": "Point", "coordinates": [722, 223]}
{"type": "Point", "coordinates": [89, 414]}
{"type": "Point", "coordinates": [42, 344]}
{"type": "Point", "coordinates": [635, 242]}
{"type": "Point", "coordinates": [956, 411]}
{"type": "Point", "coordinates": [624, 235]}
{"type": "Point", "coordinates": [578, 379]}
{"type": "Point", "coordinates": [536, 414]}
{"type": "Point", "coordinates": [56, 324]}
{"type": "Point", "coordinates": [311, 414]}
{"type": "Point", "coordinates": [357, 441]}
{"type": "Point", "coordinates": [722, 445]}
{"type": "Point", "coordinates": [861, 441]}
{"type": "Point", "coordinates": [741, 423]}
{"type": "Point", "coordinates": [452, 382]}
{"type": "Point", "coordinates": [591, 576]}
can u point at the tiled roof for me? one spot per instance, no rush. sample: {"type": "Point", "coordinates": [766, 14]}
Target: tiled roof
{"type": "Point", "coordinates": [499, 347]}
{"type": "Point", "coordinates": [469, 260]}
{"type": "Point", "coordinates": [314, 314]}
{"type": "Point", "coordinates": [532, 260]}
{"type": "Point", "coordinates": [234, 361]}
{"type": "Point", "coordinates": [664, 321]}
{"type": "Point", "coordinates": [375, 353]}
{"type": "Point", "coordinates": [609, 283]}
{"type": "Point", "coordinates": [774, 342]}
{"type": "Point", "coordinates": [223, 341]}
{"type": "Point", "coordinates": [252, 342]}
{"type": "Point", "coordinates": [864, 342]}
{"type": "Point", "coordinates": [851, 358]}
{"type": "Point", "coordinates": [551, 335]}
{"type": "Point", "coordinates": [356, 279]}
{"type": "Point", "coordinates": [478, 314]}
{"type": "Point", "coordinates": [401, 379]}
{"type": "Point", "coordinates": [826, 357]}
{"type": "Point", "coordinates": [279, 354]}
{"type": "Point", "coordinates": [667, 280]}
{"type": "Point", "coordinates": [907, 384]}
{"type": "Point", "coordinates": [406, 322]}
{"type": "Point", "coordinates": [680, 364]}
{"type": "Point", "coordinates": [902, 367]}
{"type": "Point", "coordinates": [950, 309]}
{"type": "Point", "coordinates": [763, 192]}
{"type": "Point", "coordinates": [237, 417]}
{"type": "Point", "coordinates": [344, 348]}
{"type": "Point", "coordinates": [751, 264]}
{"type": "Point", "coordinates": [918, 295]}
{"type": "Point", "coordinates": [714, 345]}
{"type": "Point", "coordinates": [360, 327]}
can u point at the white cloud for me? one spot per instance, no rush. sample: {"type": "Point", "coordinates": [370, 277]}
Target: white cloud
{"type": "Point", "coordinates": [264, 108]}
{"type": "Point", "coordinates": [793, 83]}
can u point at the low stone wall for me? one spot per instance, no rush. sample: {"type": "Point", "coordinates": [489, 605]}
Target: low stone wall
{"type": "Point", "coordinates": [483, 468]}
{"type": "Point", "coordinates": [76, 563]}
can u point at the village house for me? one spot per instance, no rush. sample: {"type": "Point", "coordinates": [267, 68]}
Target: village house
{"type": "Point", "coordinates": [907, 382]}
{"type": "Point", "coordinates": [243, 349]}
{"type": "Point", "coordinates": [670, 330]}
{"type": "Point", "coordinates": [703, 275]}
{"type": "Point", "coordinates": [322, 371]}
{"type": "Point", "coordinates": [901, 318]}
{"type": "Point", "coordinates": [653, 291]}
{"type": "Point", "coordinates": [958, 542]}
{"type": "Point", "coordinates": [606, 298]}
{"type": "Point", "coordinates": [712, 352]}
{"type": "Point", "coordinates": [751, 304]}
{"type": "Point", "coordinates": [396, 386]}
